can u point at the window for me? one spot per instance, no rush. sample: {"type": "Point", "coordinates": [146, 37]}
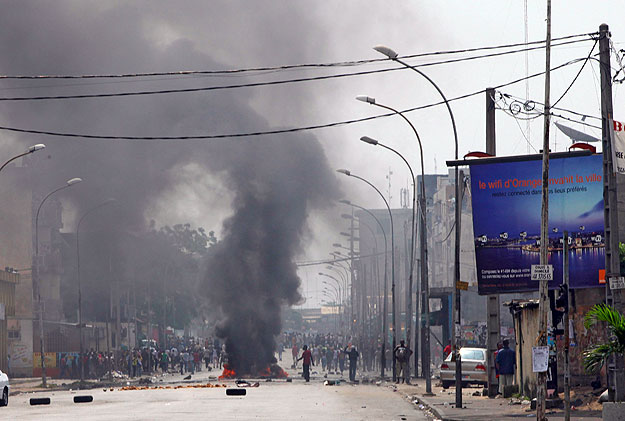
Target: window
{"type": "Point", "coordinates": [471, 354]}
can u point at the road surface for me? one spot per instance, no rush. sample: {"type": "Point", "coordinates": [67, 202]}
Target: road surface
{"type": "Point", "coordinates": [276, 400]}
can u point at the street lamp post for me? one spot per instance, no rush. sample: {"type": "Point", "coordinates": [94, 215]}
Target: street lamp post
{"type": "Point", "coordinates": [338, 283]}
{"type": "Point", "coordinates": [425, 298]}
{"type": "Point", "coordinates": [394, 56]}
{"type": "Point", "coordinates": [31, 149]}
{"type": "Point", "coordinates": [384, 325]}
{"type": "Point", "coordinates": [69, 183]}
{"type": "Point", "coordinates": [343, 280]}
{"type": "Point", "coordinates": [390, 215]}
{"type": "Point", "coordinates": [106, 202]}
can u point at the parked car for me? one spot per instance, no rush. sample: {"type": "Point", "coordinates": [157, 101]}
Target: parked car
{"type": "Point", "coordinates": [4, 384]}
{"type": "Point", "coordinates": [473, 368]}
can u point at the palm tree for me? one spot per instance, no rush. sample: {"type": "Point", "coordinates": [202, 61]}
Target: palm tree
{"type": "Point", "coordinates": [596, 356]}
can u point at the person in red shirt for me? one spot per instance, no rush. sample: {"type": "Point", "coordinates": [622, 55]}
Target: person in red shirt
{"type": "Point", "coordinates": [308, 360]}
{"type": "Point", "coordinates": [447, 350]}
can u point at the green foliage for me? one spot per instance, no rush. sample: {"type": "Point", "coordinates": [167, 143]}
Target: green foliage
{"type": "Point", "coordinates": [186, 239]}
{"type": "Point", "coordinates": [596, 356]}
{"type": "Point", "coordinates": [157, 270]}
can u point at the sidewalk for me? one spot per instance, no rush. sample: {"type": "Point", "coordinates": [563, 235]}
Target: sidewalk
{"type": "Point", "coordinates": [475, 408]}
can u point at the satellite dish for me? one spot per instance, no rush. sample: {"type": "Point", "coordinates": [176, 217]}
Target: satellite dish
{"type": "Point", "coordinates": [576, 135]}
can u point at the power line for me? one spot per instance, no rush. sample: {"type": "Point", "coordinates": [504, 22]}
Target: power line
{"type": "Point", "coordinates": [566, 110]}
{"type": "Point", "coordinates": [578, 73]}
{"type": "Point", "coordinates": [265, 83]}
{"type": "Point", "coordinates": [272, 132]}
{"type": "Point", "coordinates": [327, 261]}
{"type": "Point", "coordinates": [283, 67]}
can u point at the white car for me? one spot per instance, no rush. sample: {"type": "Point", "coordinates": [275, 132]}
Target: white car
{"type": "Point", "coordinates": [473, 368]}
{"type": "Point", "coordinates": [4, 384]}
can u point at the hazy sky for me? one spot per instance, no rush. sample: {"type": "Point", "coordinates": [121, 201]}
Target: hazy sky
{"type": "Point", "coordinates": [81, 37]}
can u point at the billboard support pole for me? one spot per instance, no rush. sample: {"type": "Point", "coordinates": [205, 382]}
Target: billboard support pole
{"type": "Point", "coordinates": [492, 301]}
{"type": "Point", "coordinates": [616, 369]}
{"type": "Point", "coordinates": [543, 305]}
{"type": "Point", "coordinates": [567, 334]}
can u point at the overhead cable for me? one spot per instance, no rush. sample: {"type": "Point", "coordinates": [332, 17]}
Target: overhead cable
{"type": "Point", "coordinates": [277, 131]}
{"type": "Point", "coordinates": [285, 67]}
{"type": "Point", "coordinates": [257, 84]}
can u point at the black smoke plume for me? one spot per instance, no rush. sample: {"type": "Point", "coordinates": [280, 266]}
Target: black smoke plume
{"type": "Point", "coordinates": [275, 182]}
{"type": "Point", "coordinates": [251, 273]}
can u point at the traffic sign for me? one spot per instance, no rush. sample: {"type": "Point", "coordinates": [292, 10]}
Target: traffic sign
{"type": "Point", "coordinates": [462, 285]}
{"type": "Point", "coordinates": [542, 273]}
{"type": "Point", "coordinates": [617, 282]}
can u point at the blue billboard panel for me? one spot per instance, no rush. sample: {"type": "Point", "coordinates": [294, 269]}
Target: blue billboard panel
{"type": "Point", "coordinates": [506, 199]}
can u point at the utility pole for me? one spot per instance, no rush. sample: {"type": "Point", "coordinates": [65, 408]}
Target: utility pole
{"type": "Point", "coordinates": [458, 307]}
{"type": "Point", "coordinates": [492, 301]}
{"type": "Point", "coordinates": [425, 291]}
{"type": "Point", "coordinates": [614, 297]}
{"type": "Point", "coordinates": [567, 334]}
{"type": "Point", "coordinates": [543, 305]}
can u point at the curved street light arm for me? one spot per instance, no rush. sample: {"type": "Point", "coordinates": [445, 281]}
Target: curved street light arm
{"type": "Point", "coordinates": [30, 150]}
{"type": "Point", "coordinates": [13, 159]}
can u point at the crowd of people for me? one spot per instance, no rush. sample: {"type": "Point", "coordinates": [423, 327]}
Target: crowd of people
{"type": "Point", "coordinates": [335, 353]}
{"type": "Point", "coordinates": [181, 357]}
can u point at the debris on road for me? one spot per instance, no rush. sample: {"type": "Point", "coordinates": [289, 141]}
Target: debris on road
{"type": "Point", "coordinates": [186, 386]}
{"type": "Point", "coordinates": [245, 383]}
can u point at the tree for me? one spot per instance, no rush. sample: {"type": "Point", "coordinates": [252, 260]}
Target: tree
{"type": "Point", "coordinates": [596, 356]}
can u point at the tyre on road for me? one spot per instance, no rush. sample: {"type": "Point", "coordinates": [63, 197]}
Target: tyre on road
{"type": "Point", "coordinates": [447, 383]}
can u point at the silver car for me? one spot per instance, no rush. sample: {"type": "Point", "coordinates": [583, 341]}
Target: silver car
{"type": "Point", "coordinates": [473, 368]}
{"type": "Point", "coordinates": [4, 386]}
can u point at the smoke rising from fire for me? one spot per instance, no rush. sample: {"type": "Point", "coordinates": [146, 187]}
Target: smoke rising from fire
{"type": "Point", "coordinates": [275, 182]}
{"type": "Point", "coordinates": [251, 273]}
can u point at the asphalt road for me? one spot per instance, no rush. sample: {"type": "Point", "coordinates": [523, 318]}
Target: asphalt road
{"type": "Point", "coordinates": [276, 400]}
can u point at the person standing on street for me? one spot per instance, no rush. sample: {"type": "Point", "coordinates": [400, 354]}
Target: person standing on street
{"type": "Point", "coordinates": [505, 363]}
{"type": "Point", "coordinates": [402, 355]}
{"type": "Point", "coordinates": [294, 352]}
{"type": "Point", "coordinates": [308, 360]}
{"type": "Point", "coordinates": [353, 361]}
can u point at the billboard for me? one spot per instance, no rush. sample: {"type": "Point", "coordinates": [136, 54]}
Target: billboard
{"type": "Point", "coordinates": [506, 200]}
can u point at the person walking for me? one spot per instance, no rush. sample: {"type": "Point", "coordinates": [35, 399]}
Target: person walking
{"type": "Point", "coordinates": [294, 352]}
{"type": "Point", "coordinates": [353, 361]}
{"type": "Point", "coordinates": [402, 356]}
{"type": "Point", "coordinates": [341, 361]}
{"type": "Point", "coordinates": [505, 363]}
{"type": "Point", "coordinates": [307, 358]}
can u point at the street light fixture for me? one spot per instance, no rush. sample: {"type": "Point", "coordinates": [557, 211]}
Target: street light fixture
{"type": "Point", "coordinates": [106, 202]}
{"type": "Point", "coordinates": [388, 52]}
{"type": "Point", "coordinates": [69, 183]}
{"type": "Point", "coordinates": [31, 149]}
{"type": "Point", "coordinates": [390, 214]}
